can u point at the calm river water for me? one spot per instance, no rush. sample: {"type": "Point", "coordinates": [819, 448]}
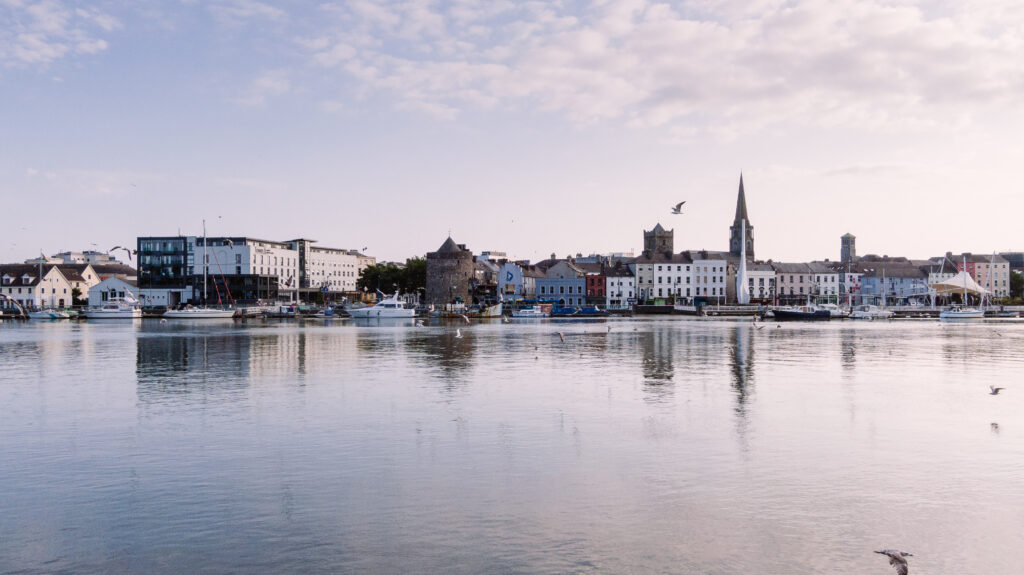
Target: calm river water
{"type": "Point", "coordinates": [662, 446]}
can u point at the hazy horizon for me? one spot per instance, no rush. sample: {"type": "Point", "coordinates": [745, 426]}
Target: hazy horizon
{"type": "Point", "coordinates": [528, 128]}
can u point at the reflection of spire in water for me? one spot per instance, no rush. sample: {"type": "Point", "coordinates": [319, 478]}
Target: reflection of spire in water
{"type": "Point", "coordinates": [742, 359]}
{"type": "Point", "coordinates": [208, 365]}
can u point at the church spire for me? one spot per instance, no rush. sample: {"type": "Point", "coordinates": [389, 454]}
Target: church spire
{"type": "Point", "coordinates": [741, 233]}
{"type": "Point", "coordinates": [741, 204]}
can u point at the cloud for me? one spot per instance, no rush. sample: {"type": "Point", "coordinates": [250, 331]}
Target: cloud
{"type": "Point", "coordinates": [741, 65]}
{"type": "Point", "coordinates": [237, 12]}
{"type": "Point", "coordinates": [267, 85]}
{"type": "Point", "coordinates": [37, 33]}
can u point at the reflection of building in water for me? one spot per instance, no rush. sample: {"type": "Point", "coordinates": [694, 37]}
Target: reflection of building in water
{"type": "Point", "coordinates": [191, 360]}
{"type": "Point", "coordinates": [848, 348]}
{"type": "Point", "coordinates": [656, 350]}
{"type": "Point", "coordinates": [444, 356]}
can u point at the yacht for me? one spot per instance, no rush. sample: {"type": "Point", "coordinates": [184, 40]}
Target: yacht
{"type": "Point", "coordinates": [189, 312]}
{"type": "Point", "coordinates": [870, 312]}
{"type": "Point", "coordinates": [835, 311]}
{"type": "Point", "coordinates": [48, 314]}
{"type": "Point", "coordinates": [802, 312]}
{"type": "Point", "coordinates": [530, 312]}
{"type": "Point", "coordinates": [388, 307]}
{"type": "Point", "coordinates": [961, 312]}
{"type": "Point", "coordinates": [115, 309]}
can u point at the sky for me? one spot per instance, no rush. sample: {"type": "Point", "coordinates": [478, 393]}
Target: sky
{"type": "Point", "coordinates": [525, 127]}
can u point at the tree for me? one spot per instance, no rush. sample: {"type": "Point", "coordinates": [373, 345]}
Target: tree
{"type": "Point", "coordinates": [1016, 285]}
{"type": "Point", "coordinates": [76, 297]}
{"type": "Point", "coordinates": [391, 277]}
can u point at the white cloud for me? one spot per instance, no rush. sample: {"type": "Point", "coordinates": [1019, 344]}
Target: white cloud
{"type": "Point", "coordinates": [267, 85]}
{"type": "Point", "coordinates": [745, 64]}
{"type": "Point", "coordinates": [36, 33]}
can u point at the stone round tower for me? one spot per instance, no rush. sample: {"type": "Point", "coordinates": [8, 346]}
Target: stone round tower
{"type": "Point", "coordinates": [450, 272]}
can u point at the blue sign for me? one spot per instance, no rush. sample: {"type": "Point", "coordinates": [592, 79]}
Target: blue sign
{"type": "Point", "coordinates": [323, 289]}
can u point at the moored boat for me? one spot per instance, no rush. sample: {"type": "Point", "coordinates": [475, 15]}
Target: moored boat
{"type": "Point", "coordinates": [531, 312]}
{"type": "Point", "coordinates": [48, 314]}
{"type": "Point", "coordinates": [388, 307]}
{"type": "Point", "coordinates": [115, 309]}
{"type": "Point", "coordinates": [961, 312]}
{"type": "Point", "coordinates": [191, 312]}
{"type": "Point", "coordinates": [801, 313]}
{"type": "Point", "coordinates": [870, 312]}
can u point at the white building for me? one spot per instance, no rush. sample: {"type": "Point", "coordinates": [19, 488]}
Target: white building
{"type": "Point", "coordinates": [710, 276]}
{"type": "Point", "coordinates": [664, 276]}
{"type": "Point", "coordinates": [35, 286]}
{"type": "Point", "coordinates": [825, 281]}
{"type": "Point", "coordinates": [112, 288]}
{"type": "Point", "coordinates": [620, 287]}
{"type": "Point", "coordinates": [761, 282]}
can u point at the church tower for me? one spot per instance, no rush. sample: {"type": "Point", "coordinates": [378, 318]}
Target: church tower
{"type": "Point", "coordinates": [658, 240]}
{"type": "Point", "coordinates": [736, 234]}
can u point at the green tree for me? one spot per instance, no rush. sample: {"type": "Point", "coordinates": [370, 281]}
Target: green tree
{"type": "Point", "coordinates": [390, 277]}
{"type": "Point", "coordinates": [1016, 285]}
{"type": "Point", "coordinates": [76, 297]}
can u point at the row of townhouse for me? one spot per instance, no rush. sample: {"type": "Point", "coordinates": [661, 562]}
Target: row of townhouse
{"type": "Point", "coordinates": [46, 285]}
{"type": "Point", "coordinates": [568, 282]}
{"type": "Point", "coordinates": [178, 269]}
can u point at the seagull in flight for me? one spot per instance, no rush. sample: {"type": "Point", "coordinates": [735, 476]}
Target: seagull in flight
{"type": "Point", "coordinates": [995, 390]}
{"type": "Point", "coordinates": [505, 319]}
{"type": "Point", "coordinates": [561, 336]}
{"type": "Point", "coordinates": [463, 316]}
{"type": "Point", "coordinates": [898, 559]}
{"type": "Point", "coordinates": [419, 323]}
{"type": "Point", "coordinates": [458, 333]}
{"type": "Point", "coordinates": [678, 209]}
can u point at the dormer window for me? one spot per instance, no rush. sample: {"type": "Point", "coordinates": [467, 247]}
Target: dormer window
{"type": "Point", "coordinates": [26, 279]}
{"type": "Point", "coordinates": [7, 280]}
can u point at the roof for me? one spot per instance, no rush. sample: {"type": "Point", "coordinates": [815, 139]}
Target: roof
{"type": "Point", "coordinates": [848, 236]}
{"type": "Point", "coordinates": [662, 258]}
{"type": "Point", "coordinates": [791, 268]}
{"type": "Point", "coordinates": [17, 271]}
{"type": "Point", "coordinates": [822, 268]}
{"type": "Point", "coordinates": [106, 270]}
{"type": "Point", "coordinates": [72, 272]}
{"type": "Point", "coordinates": [449, 246]}
{"type": "Point", "coordinates": [904, 271]}
{"type": "Point", "coordinates": [695, 255]}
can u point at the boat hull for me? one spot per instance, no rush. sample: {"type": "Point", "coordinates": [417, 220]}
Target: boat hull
{"type": "Point", "coordinates": [797, 315]}
{"type": "Point", "coordinates": [199, 313]}
{"type": "Point", "coordinates": [373, 312]}
{"type": "Point", "coordinates": [118, 314]}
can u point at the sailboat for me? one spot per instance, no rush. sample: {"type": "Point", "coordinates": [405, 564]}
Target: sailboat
{"type": "Point", "coordinates": [962, 311]}
{"type": "Point", "coordinates": [201, 312]}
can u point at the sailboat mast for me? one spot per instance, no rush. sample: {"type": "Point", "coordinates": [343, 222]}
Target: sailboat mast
{"type": "Point", "coordinates": [204, 262]}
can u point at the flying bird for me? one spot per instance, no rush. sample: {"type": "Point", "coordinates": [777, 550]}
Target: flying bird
{"type": "Point", "coordinates": [419, 323]}
{"type": "Point", "coordinates": [898, 559]}
{"type": "Point", "coordinates": [995, 390]}
{"type": "Point", "coordinates": [463, 316]}
{"type": "Point", "coordinates": [561, 336]}
{"type": "Point", "coordinates": [759, 326]}
{"type": "Point", "coordinates": [505, 319]}
{"type": "Point", "coordinates": [678, 209]}
{"type": "Point", "coordinates": [458, 333]}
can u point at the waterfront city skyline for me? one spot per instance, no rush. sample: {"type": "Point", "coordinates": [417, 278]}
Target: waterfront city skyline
{"type": "Point", "coordinates": [525, 128]}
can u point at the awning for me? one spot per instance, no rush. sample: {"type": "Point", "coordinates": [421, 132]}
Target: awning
{"type": "Point", "coordinates": [958, 284]}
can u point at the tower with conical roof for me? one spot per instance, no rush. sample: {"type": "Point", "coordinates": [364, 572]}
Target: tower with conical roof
{"type": "Point", "coordinates": [450, 272]}
{"type": "Point", "coordinates": [737, 234]}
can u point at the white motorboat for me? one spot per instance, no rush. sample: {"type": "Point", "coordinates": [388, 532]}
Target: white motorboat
{"type": "Point", "coordinates": [48, 314]}
{"type": "Point", "coordinates": [115, 309]}
{"type": "Point", "coordinates": [190, 312]}
{"type": "Point", "coordinates": [388, 307]}
{"type": "Point", "coordinates": [870, 312]}
{"type": "Point", "coordinates": [835, 311]}
{"type": "Point", "coordinates": [961, 312]}
{"type": "Point", "coordinates": [530, 312]}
